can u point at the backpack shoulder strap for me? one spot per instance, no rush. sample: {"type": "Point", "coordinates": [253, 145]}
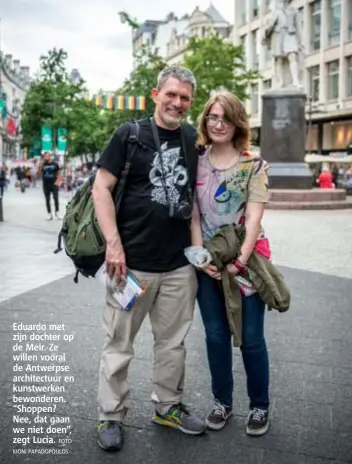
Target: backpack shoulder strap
{"type": "Point", "coordinates": [132, 145]}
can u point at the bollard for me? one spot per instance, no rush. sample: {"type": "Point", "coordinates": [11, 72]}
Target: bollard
{"type": "Point", "coordinates": [1, 211]}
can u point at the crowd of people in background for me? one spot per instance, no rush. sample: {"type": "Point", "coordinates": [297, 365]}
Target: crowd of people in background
{"type": "Point", "coordinates": [71, 177]}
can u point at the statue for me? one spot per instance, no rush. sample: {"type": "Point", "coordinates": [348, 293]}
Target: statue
{"type": "Point", "coordinates": [283, 35]}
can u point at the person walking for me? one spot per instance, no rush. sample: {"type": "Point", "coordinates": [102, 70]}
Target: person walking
{"type": "Point", "coordinates": [50, 172]}
{"type": "Point", "coordinates": [3, 180]}
{"type": "Point", "coordinates": [232, 188]}
{"type": "Point", "coordinates": [148, 238]}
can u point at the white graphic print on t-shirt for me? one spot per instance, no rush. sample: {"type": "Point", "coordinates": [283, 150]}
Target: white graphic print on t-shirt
{"type": "Point", "coordinates": [175, 175]}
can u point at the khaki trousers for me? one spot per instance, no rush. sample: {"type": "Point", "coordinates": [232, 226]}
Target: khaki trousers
{"type": "Point", "coordinates": [169, 300]}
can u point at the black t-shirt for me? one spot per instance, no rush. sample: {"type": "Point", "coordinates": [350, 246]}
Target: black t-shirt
{"type": "Point", "coordinates": [50, 171]}
{"type": "Point", "coordinates": [152, 241]}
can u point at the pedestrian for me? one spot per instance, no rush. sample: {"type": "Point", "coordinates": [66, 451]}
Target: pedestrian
{"type": "Point", "coordinates": [34, 174]}
{"type": "Point", "coordinates": [3, 180]}
{"type": "Point", "coordinates": [231, 189]}
{"type": "Point", "coordinates": [21, 178]}
{"type": "Point", "coordinates": [50, 172]}
{"type": "Point", "coordinates": [325, 179]}
{"type": "Point", "coordinates": [149, 238]}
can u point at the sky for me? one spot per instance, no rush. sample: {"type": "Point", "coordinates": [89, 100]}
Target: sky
{"type": "Point", "coordinates": [98, 45]}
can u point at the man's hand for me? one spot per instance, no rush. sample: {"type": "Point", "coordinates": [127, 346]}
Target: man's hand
{"type": "Point", "coordinates": [115, 261]}
{"type": "Point", "coordinates": [212, 272]}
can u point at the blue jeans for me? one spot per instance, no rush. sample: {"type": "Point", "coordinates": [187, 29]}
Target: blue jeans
{"type": "Point", "coordinates": [219, 344]}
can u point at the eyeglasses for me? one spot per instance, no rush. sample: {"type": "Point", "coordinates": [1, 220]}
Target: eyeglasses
{"type": "Point", "coordinates": [213, 120]}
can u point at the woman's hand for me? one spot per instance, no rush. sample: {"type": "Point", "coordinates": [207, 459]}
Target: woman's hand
{"type": "Point", "coordinates": [212, 271]}
{"type": "Point", "coordinates": [232, 269]}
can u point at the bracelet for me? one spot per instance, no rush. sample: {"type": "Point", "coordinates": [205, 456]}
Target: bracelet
{"type": "Point", "coordinates": [240, 266]}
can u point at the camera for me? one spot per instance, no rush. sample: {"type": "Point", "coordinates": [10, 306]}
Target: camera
{"type": "Point", "coordinates": [182, 210]}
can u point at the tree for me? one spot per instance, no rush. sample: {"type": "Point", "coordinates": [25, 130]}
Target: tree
{"type": "Point", "coordinates": [50, 98]}
{"type": "Point", "coordinates": [216, 64]}
{"type": "Point", "coordinates": [143, 78]}
{"type": "Point", "coordinates": [87, 132]}
{"type": "Point", "coordinates": [140, 82]}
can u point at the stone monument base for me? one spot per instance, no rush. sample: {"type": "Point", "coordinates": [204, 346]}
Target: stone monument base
{"type": "Point", "coordinates": [289, 176]}
{"type": "Point", "coordinates": [313, 199]}
{"type": "Point", "coordinates": [283, 138]}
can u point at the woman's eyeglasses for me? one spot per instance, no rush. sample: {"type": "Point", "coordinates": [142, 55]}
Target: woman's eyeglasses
{"type": "Point", "coordinates": [213, 120]}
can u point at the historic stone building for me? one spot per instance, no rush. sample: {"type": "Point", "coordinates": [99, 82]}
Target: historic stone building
{"type": "Point", "coordinates": [170, 36]}
{"type": "Point", "coordinates": [14, 82]}
{"type": "Point", "coordinates": [327, 44]}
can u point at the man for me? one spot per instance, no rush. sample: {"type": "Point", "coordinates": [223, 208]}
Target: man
{"type": "Point", "coordinates": [150, 243]}
{"type": "Point", "coordinates": [3, 180]}
{"type": "Point", "coordinates": [50, 171]}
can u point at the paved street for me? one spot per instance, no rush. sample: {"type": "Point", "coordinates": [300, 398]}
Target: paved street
{"type": "Point", "coordinates": [310, 348]}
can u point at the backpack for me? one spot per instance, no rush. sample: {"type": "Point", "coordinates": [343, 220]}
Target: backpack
{"type": "Point", "coordinates": [83, 240]}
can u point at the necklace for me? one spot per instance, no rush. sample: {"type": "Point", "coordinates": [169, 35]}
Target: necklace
{"type": "Point", "coordinates": [233, 162]}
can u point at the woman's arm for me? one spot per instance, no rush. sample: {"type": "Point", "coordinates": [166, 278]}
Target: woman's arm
{"type": "Point", "coordinates": [196, 229]}
{"type": "Point", "coordinates": [254, 214]}
{"type": "Point", "coordinates": [197, 240]}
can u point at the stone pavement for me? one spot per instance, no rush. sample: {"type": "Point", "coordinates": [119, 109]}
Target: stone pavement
{"type": "Point", "coordinates": [27, 242]}
{"type": "Point", "coordinates": [310, 351]}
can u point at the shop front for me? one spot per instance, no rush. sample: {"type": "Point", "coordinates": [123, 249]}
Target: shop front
{"type": "Point", "coordinates": [328, 137]}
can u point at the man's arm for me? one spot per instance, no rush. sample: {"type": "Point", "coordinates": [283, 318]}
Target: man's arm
{"type": "Point", "coordinates": [105, 211]}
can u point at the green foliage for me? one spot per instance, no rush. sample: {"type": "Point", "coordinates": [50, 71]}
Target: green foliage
{"type": "Point", "coordinates": [216, 64]}
{"type": "Point", "coordinates": [142, 79]}
{"type": "Point", "coordinates": [125, 18]}
{"type": "Point", "coordinates": [51, 99]}
{"type": "Point", "coordinates": [86, 124]}
{"type": "Point", "coordinates": [140, 82]}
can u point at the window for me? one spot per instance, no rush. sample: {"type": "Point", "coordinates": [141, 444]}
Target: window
{"type": "Point", "coordinates": [335, 21]}
{"type": "Point", "coordinates": [243, 43]}
{"type": "Point", "coordinates": [255, 49]}
{"type": "Point", "coordinates": [267, 84]}
{"type": "Point", "coordinates": [336, 135]}
{"type": "Point", "coordinates": [312, 137]}
{"type": "Point", "coordinates": [349, 16]}
{"type": "Point", "coordinates": [255, 9]}
{"type": "Point", "coordinates": [349, 76]}
{"type": "Point", "coordinates": [314, 83]}
{"type": "Point", "coordinates": [315, 24]}
{"type": "Point", "coordinates": [255, 99]}
{"type": "Point", "coordinates": [333, 80]}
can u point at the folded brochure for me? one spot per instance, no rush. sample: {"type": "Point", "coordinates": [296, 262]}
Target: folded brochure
{"type": "Point", "coordinates": [127, 292]}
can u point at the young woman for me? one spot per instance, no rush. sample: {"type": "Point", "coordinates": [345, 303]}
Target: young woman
{"type": "Point", "coordinates": [231, 188]}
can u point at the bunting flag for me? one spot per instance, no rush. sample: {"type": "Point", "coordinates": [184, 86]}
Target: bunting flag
{"type": "Point", "coordinates": [140, 103]}
{"type": "Point", "coordinates": [119, 102]}
{"type": "Point", "coordinates": [110, 102]}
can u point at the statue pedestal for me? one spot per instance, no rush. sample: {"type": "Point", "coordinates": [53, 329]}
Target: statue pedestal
{"type": "Point", "coordinates": [283, 138]}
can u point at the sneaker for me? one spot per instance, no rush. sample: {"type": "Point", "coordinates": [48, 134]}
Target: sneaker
{"type": "Point", "coordinates": [50, 217]}
{"type": "Point", "coordinates": [257, 422]}
{"type": "Point", "coordinates": [217, 418]}
{"type": "Point", "coordinates": [178, 417]}
{"type": "Point", "coordinates": [110, 436]}
{"type": "Point", "coordinates": [57, 216]}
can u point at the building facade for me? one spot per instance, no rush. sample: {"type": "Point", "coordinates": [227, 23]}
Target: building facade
{"type": "Point", "coordinates": [14, 83]}
{"type": "Point", "coordinates": [170, 37]}
{"type": "Point", "coordinates": [327, 41]}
